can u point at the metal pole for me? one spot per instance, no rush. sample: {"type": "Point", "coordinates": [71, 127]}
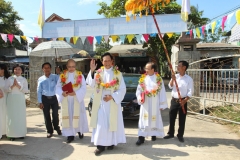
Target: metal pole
{"type": "Point", "coordinates": [168, 59]}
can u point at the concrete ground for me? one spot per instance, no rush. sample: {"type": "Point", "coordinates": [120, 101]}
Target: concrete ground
{"type": "Point", "coordinates": [204, 140]}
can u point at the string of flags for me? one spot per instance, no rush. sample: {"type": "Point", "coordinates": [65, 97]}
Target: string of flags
{"type": "Point", "coordinates": [74, 39]}
{"type": "Point", "coordinates": [224, 22]}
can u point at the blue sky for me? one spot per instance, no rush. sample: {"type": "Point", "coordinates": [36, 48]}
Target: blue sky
{"type": "Point", "coordinates": [87, 9]}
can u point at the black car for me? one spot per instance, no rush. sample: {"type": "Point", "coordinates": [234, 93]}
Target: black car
{"type": "Point", "coordinates": [130, 107]}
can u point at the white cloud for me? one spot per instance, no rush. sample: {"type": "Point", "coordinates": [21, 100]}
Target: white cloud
{"type": "Point", "coordinates": [84, 2]}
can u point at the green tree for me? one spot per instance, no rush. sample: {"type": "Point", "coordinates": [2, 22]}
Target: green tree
{"type": "Point", "coordinates": [195, 19]}
{"type": "Point", "coordinates": [215, 37]}
{"type": "Point", "coordinates": [8, 23]}
{"type": "Point", "coordinates": [102, 47]}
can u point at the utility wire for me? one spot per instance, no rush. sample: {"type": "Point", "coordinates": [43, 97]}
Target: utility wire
{"type": "Point", "coordinates": [231, 10]}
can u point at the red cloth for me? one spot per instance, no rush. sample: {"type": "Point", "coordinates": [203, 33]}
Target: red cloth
{"type": "Point", "coordinates": [68, 87]}
{"type": "Point", "coordinates": [143, 97]}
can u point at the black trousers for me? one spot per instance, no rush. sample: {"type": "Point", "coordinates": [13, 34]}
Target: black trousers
{"type": "Point", "coordinates": [50, 103]}
{"type": "Point", "coordinates": [174, 110]}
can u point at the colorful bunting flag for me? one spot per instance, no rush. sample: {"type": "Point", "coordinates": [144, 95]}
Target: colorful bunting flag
{"type": "Point", "coordinates": [229, 18]}
{"type": "Point", "coordinates": [208, 26]}
{"type": "Point", "coordinates": [68, 39]}
{"type": "Point", "coordinates": [54, 39]}
{"type": "Point", "coordinates": [75, 39]}
{"type": "Point", "coordinates": [198, 32]}
{"type": "Point", "coordinates": [169, 35]}
{"type": "Point", "coordinates": [218, 24]}
{"type": "Point", "coordinates": [238, 16]}
{"type": "Point", "coordinates": [203, 30]}
{"type": "Point", "coordinates": [153, 34]}
{"type": "Point", "coordinates": [83, 38]}
{"type": "Point", "coordinates": [36, 39]}
{"type": "Point", "coordinates": [194, 33]}
{"type": "Point", "coordinates": [29, 39]}
{"type": "Point", "coordinates": [41, 15]}
{"type": "Point", "coordinates": [10, 37]}
{"type": "Point", "coordinates": [138, 37]}
{"type": "Point", "coordinates": [223, 22]}
{"type": "Point", "coordinates": [122, 38]}
{"type": "Point", "coordinates": [106, 38]}
{"type": "Point", "coordinates": [98, 39]}
{"type": "Point", "coordinates": [114, 38]}
{"type": "Point", "coordinates": [90, 39]}
{"type": "Point", "coordinates": [213, 25]}
{"type": "Point", "coordinates": [18, 38]}
{"type": "Point", "coordinates": [146, 37]}
{"type": "Point", "coordinates": [130, 37]}
{"type": "Point", "coordinates": [61, 38]}
{"type": "Point", "coordinates": [4, 37]}
{"type": "Point", "coordinates": [191, 33]}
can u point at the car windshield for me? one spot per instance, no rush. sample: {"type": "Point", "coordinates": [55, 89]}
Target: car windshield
{"type": "Point", "coordinates": [130, 80]}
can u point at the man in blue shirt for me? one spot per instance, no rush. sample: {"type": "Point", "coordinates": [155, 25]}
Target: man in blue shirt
{"type": "Point", "coordinates": [47, 99]}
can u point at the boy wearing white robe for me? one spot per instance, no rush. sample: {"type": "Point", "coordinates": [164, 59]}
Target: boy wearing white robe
{"type": "Point", "coordinates": [103, 134]}
{"type": "Point", "coordinates": [150, 119]}
{"type": "Point", "coordinates": [73, 104]}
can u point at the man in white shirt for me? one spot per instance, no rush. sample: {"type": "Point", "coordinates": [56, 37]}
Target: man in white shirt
{"type": "Point", "coordinates": [185, 85]}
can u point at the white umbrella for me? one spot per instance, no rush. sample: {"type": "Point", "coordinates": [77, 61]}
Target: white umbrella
{"type": "Point", "coordinates": [54, 49]}
{"type": "Point", "coordinates": [235, 35]}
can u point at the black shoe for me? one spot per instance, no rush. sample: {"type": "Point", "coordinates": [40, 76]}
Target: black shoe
{"type": "Point", "coordinates": [80, 135]}
{"type": "Point", "coordinates": [59, 132]}
{"type": "Point", "coordinates": [168, 137]}
{"type": "Point", "coordinates": [139, 142]}
{"type": "Point", "coordinates": [110, 147]}
{"type": "Point", "coordinates": [154, 138]}
{"type": "Point", "coordinates": [49, 135]}
{"type": "Point", "coordinates": [98, 151]}
{"type": "Point", "coordinates": [70, 139]}
{"type": "Point", "coordinates": [181, 139]}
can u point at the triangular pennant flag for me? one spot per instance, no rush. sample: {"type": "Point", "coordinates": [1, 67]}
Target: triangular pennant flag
{"type": "Point", "coordinates": [29, 39]}
{"type": "Point", "coordinates": [60, 38]}
{"type": "Point", "coordinates": [218, 25]}
{"type": "Point", "coordinates": [106, 38]}
{"type": "Point", "coordinates": [223, 22]}
{"type": "Point", "coordinates": [130, 37]}
{"type": "Point", "coordinates": [200, 29]}
{"type": "Point", "coordinates": [153, 34]}
{"type": "Point", "coordinates": [68, 39]}
{"type": "Point", "coordinates": [138, 37]}
{"type": "Point", "coordinates": [191, 33]}
{"type": "Point", "coordinates": [146, 37]}
{"type": "Point", "coordinates": [54, 39]}
{"type": "Point", "coordinates": [114, 38]}
{"type": "Point", "coordinates": [198, 32]}
{"type": "Point", "coordinates": [83, 38]}
{"type": "Point", "coordinates": [75, 38]}
{"type": "Point", "coordinates": [229, 18]}
{"type": "Point", "coordinates": [10, 37]}
{"type": "Point", "coordinates": [208, 26]}
{"type": "Point", "coordinates": [99, 39]}
{"type": "Point", "coordinates": [24, 38]}
{"type": "Point", "coordinates": [4, 37]}
{"type": "Point", "coordinates": [36, 39]}
{"type": "Point", "coordinates": [194, 33]}
{"type": "Point", "coordinates": [162, 35]}
{"type": "Point", "coordinates": [238, 16]}
{"type": "Point", "coordinates": [188, 33]}
{"type": "Point", "coordinates": [18, 38]}
{"type": "Point", "coordinates": [90, 39]}
{"type": "Point", "coordinates": [203, 30]}
{"type": "Point", "coordinates": [122, 38]}
{"type": "Point", "coordinates": [170, 35]}
{"type": "Point", "coordinates": [213, 24]}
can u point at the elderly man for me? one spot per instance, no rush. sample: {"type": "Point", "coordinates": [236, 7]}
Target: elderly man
{"type": "Point", "coordinates": [74, 118]}
{"type": "Point", "coordinates": [109, 91]}
{"type": "Point", "coordinates": [151, 95]}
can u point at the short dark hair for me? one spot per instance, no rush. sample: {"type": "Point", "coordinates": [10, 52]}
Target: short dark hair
{"type": "Point", "coordinates": [153, 65]}
{"type": "Point", "coordinates": [106, 54]}
{"type": "Point", "coordinates": [46, 63]}
{"type": "Point", "coordinates": [184, 63]}
{"type": "Point", "coordinates": [17, 65]}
